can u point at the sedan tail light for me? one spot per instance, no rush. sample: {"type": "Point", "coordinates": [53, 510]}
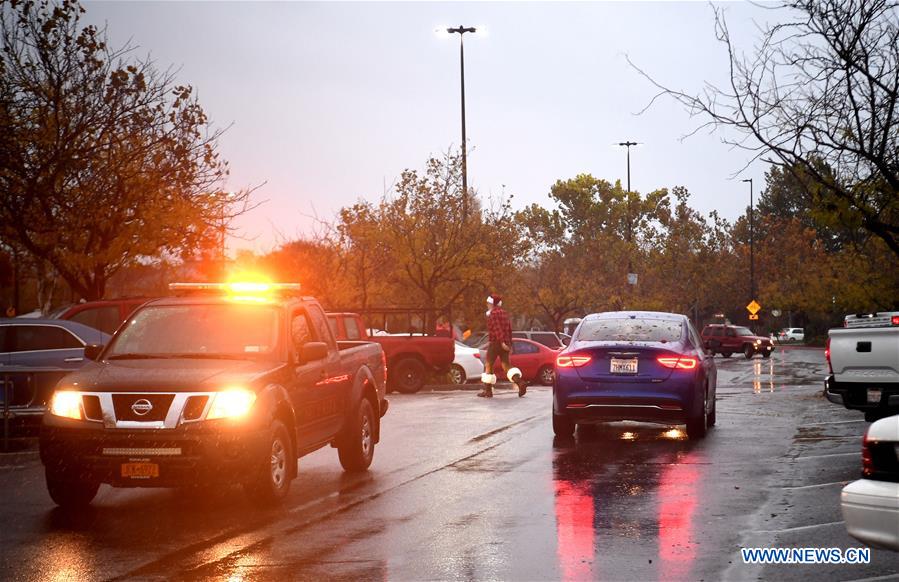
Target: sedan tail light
{"type": "Point", "coordinates": [895, 320]}
{"type": "Point", "coordinates": [827, 355]}
{"type": "Point", "coordinates": [680, 363]}
{"type": "Point", "coordinates": [867, 459]}
{"type": "Point", "coordinates": [572, 361]}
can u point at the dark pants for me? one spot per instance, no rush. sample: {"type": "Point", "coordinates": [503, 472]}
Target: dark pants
{"type": "Point", "coordinates": [495, 349]}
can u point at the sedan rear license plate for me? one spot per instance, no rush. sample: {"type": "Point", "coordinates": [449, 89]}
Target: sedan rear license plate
{"type": "Point", "coordinates": [621, 366]}
{"type": "Point", "coordinates": [873, 395]}
{"type": "Point", "coordinates": [140, 470]}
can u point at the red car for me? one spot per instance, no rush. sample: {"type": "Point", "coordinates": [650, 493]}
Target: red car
{"type": "Point", "coordinates": [730, 339]}
{"type": "Point", "coordinates": [105, 315]}
{"type": "Point", "coordinates": [534, 359]}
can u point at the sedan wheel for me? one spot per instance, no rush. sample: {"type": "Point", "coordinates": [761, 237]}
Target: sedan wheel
{"type": "Point", "coordinates": [698, 424]}
{"type": "Point", "coordinates": [547, 375]}
{"type": "Point", "coordinates": [457, 374]}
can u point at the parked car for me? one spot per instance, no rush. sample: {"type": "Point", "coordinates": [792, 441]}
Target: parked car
{"type": "Point", "coordinates": [34, 355]}
{"type": "Point", "coordinates": [550, 339]}
{"type": "Point", "coordinates": [863, 361]}
{"type": "Point", "coordinates": [534, 359]}
{"type": "Point", "coordinates": [645, 366]}
{"type": "Point", "coordinates": [871, 505]}
{"type": "Point", "coordinates": [467, 365]}
{"type": "Point", "coordinates": [105, 315]}
{"type": "Point", "coordinates": [791, 334]}
{"type": "Point", "coordinates": [729, 339]}
{"type": "Point", "coordinates": [410, 356]}
{"type": "Point", "coordinates": [223, 384]}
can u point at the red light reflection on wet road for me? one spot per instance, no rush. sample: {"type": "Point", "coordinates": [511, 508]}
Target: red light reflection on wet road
{"type": "Point", "coordinates": [677, 496]}
{"type": "Point", "coordinates": [575, 530]}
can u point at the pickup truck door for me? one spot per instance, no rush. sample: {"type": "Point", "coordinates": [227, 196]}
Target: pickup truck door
{"type": "Point", "coordinates": [308, 405]}
{"type": "Point", "coordinates": [338, 381]}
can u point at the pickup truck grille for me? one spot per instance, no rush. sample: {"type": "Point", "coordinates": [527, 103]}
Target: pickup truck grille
{"type": "Point", "coordinates": [128, 406]}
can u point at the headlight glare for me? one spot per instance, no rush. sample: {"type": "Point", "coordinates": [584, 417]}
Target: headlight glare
{"type": "Point", "coordinates": [231, 403]}
{"type": "Point", "coordinates": [67, 404]}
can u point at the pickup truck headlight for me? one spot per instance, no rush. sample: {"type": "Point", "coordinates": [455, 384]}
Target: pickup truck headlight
{"type": "Point", "coordinates": [231, 403]}
{"type": "Point", "coordinates": [67, 404]}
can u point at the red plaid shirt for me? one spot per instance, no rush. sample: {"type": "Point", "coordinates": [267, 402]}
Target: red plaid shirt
{"type": "Point", "coordinates": [499, 327]}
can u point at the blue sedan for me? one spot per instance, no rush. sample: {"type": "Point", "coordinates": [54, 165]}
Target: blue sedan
{"type": "Point", "coordinates": [634, 365]}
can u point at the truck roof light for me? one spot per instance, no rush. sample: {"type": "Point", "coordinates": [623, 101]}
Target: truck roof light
{"type": "Point", "coordinates": [237, 287]}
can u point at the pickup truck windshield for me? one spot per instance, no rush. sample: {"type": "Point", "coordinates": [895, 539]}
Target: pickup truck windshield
{"type": "Point", "coordinates": [199, 331]}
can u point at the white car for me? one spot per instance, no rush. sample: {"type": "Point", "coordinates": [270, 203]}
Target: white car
{"type": "Point", "coordinates": [791, 334]}
{"type": "Point", "coordinates": [467, 364]}
{"type": "Point", "coordinates": [871, 505]}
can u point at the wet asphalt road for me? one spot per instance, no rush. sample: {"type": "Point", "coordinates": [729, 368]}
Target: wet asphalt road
{"type": "Point", "coordinates": [463, 488]}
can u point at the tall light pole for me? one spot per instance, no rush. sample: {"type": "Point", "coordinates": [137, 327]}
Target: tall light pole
{"type": "Point", "coordinates": [751, 243]}
{"type": "Point", "coordinates": [631, 276]}
{"type": "Point", "coordinates": [628, 144]}
{"type": "Point", "coordinates": [461, 30]}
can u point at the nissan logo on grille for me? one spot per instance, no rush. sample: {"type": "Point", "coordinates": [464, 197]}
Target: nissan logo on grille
{"type": "Point", "coordinates": [141, 407]}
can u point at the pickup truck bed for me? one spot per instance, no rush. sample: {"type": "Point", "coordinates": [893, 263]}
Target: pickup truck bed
{"type": "Point", "coordinates": [864, 363]}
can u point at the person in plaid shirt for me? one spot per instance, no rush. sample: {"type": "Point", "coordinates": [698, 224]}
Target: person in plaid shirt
{"type": "Point", "coordinates": [499, 331]}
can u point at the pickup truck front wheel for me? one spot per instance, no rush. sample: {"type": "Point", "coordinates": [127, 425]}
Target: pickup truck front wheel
{"type": "Point", "coordinates": [356, 448]}
{"type": "Point", "coordinates": [272, 480]}
{"type": "Point", "coordinates": [70, 493]}
{"type": "Point", "coordinates": [408, 375]}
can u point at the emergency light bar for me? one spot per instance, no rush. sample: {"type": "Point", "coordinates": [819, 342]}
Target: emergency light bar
{"type": "Point", "coordinates": [236, 287]}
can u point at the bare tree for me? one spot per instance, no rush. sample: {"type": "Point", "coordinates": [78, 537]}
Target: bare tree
{"type": "Point", "coordinates": [821, 90]}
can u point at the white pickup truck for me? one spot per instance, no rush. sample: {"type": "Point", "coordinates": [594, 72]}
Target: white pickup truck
{"type": "Point", "coordinates": [863, 357]}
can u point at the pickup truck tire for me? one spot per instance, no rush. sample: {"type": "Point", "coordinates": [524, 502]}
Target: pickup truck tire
{"type": "Point", "coordinates": [698, 424]}
{"type": "Point", "coordinates": [272, 480]}
{"type": "Point", "coordinates": [457, 374]}
{"type": "Point", "coordinates": [748, 351]}
{"type": "Point", "coordinates": [563, 426]}
{"type": "Point", "coordinates": [356, 448]}
{"type": "Point", "coordinates": [70, 493]}
{"type": "Point", "coordinates": [408, 375]}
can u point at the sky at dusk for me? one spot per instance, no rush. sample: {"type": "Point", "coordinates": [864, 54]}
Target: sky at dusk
{"type": "Point", "coordinates": [328, 102]}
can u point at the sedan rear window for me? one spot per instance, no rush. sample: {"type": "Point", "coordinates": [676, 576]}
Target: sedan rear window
{"type": "Point", "coordinates": [630, 330]}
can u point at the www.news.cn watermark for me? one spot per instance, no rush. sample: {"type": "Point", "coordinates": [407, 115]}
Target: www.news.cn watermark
{"type": "Point", "coordinates": [806, 556]}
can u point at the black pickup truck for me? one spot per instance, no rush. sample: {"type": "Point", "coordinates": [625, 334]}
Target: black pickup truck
{"type": "Point", "coordinates": [219, 384]}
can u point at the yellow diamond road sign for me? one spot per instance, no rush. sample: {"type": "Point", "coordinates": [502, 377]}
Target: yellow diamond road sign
{"type": "Point", "coordinates": [753, 307]}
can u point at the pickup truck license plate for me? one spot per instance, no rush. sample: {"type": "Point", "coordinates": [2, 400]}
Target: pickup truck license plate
{"type": "Point", "coordinates": [140, 470]}
{"type": "Point", "coordinates": [622, 366]}
{"type": "Point", "coordinates": [873, 395]}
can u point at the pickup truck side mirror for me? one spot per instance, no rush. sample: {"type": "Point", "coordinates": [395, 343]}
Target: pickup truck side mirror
{"type": "Point", "coordinates": [313, 351]}
{"type": "Point", "coordinates": [92, 351]}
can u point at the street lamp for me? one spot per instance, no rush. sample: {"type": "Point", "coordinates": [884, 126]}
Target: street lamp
{"type": "Point", "coordinates": [461, 30]}
{"type": "Point", "coordinates": [751, 243]}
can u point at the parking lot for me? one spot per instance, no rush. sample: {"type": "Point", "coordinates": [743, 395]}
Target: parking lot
{"type": "Point", "coordinates": [466, 488]}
